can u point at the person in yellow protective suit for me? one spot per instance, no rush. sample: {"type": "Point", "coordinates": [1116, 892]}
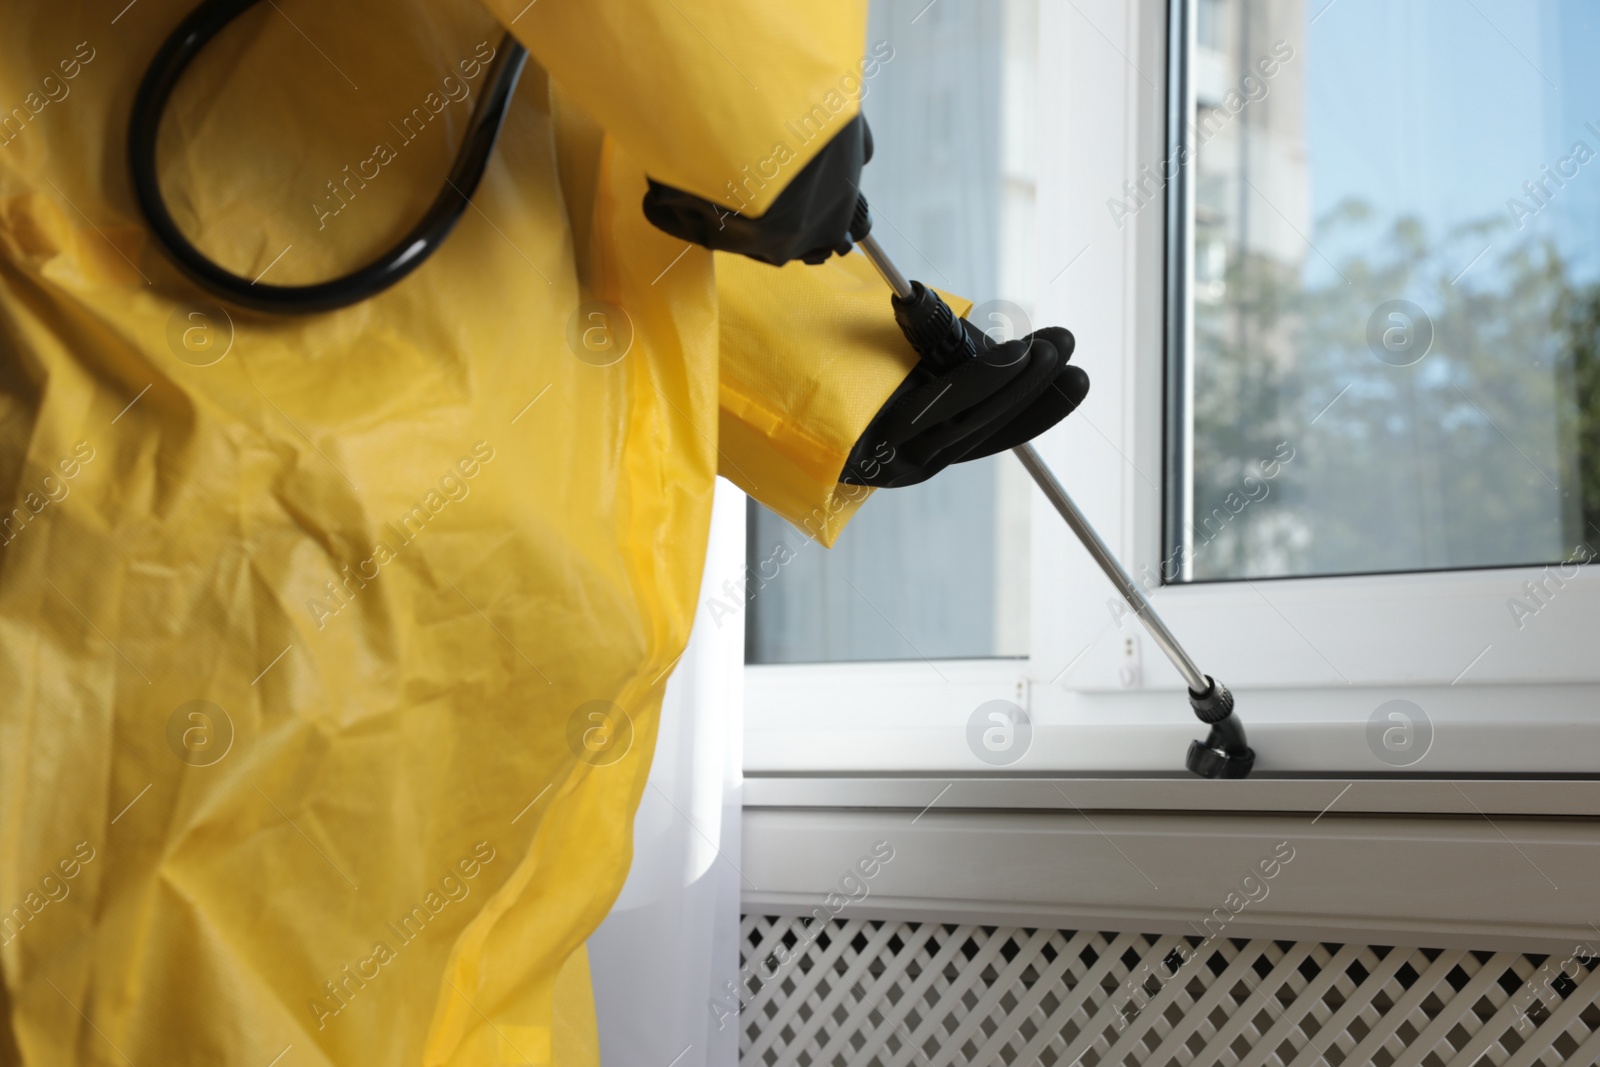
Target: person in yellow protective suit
{"type": "Point", "coordinates": [331, 647]}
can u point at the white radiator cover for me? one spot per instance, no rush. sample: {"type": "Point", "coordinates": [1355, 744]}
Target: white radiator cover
{"type": "Point", "coordinates": [868, 992]}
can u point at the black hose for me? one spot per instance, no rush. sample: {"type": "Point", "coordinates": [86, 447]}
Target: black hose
{"type": "Point", "coordinates": [179, 50]}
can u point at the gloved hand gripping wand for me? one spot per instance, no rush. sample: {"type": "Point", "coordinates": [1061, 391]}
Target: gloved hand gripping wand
{"type": "Point", "coordinates": [927, 321]}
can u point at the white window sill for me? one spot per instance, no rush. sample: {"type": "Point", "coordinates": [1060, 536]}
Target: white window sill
{"type": "Point", "coordinates": [853, 719]}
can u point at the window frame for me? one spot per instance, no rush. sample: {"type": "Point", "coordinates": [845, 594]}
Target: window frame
{"type": "Point", "coordinates": [1311, 659]}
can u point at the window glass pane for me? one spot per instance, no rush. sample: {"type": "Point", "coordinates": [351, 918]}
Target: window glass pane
{"type": "Point", "coordinates": [937, 570]}
{"type": "Point", "coordinates": [1396, 243]}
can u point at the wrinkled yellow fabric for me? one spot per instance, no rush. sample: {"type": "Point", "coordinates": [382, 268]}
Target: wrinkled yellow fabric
{"type": "Point", "coordinates": [724, 99]}
{"type": "Point", "coordinates": [792, 422]}
{"type": "Point", "coordinates": [303, 620]}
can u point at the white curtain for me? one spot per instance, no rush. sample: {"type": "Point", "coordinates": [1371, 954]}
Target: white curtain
{"type": "Point", "coordinates": [665, 954]}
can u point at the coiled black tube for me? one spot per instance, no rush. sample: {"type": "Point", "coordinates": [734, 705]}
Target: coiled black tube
{"type": "Point", "coordinates": [179, 50]}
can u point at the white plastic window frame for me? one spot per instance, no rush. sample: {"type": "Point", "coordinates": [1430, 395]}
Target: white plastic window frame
{"type": "Point", "coordinates": [1313, 660]}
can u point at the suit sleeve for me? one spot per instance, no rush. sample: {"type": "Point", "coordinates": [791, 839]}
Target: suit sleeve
{"type": "Point", "coordinates": [808, 356]}
{"type": "Point", "coordinates": [726, 99]}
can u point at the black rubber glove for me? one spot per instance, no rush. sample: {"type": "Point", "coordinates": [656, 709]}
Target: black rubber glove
{"type": "Point", "coordinates": [809, 221]}
{"type": "Point", "coordinates": [1000, 396]}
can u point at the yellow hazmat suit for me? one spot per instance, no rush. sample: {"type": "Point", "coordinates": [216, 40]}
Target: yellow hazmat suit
{"type": "Point", "coordinates": [331, 648]}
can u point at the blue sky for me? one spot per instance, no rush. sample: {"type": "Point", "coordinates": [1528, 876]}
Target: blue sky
{"type": "Point", "coordinates": [1492, 90]}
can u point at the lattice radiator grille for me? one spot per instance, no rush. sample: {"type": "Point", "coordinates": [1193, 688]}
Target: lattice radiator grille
{"type": "Point", "coordinates": [857, 993]}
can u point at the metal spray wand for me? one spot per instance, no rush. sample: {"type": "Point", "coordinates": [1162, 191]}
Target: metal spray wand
{"type": "Point", "coordinates": [1224, 753]}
